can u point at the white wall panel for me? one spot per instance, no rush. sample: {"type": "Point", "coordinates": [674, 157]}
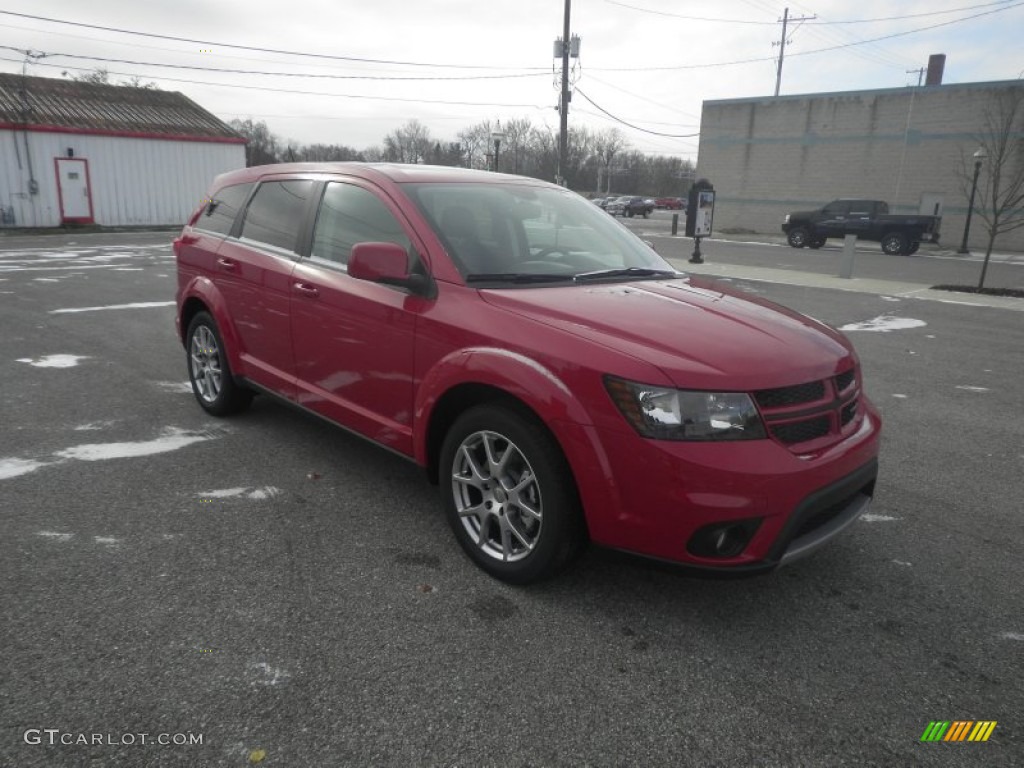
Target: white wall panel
{"type": "Point", "coordinates": [134, 182]}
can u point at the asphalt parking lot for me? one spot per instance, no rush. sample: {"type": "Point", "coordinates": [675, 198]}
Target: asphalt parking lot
{"type": "Point", "coordinates": [293, 595]}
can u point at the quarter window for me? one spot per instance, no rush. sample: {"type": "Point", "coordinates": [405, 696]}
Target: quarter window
{"type": "Point", "coordinates": [350, 215]}
{"type": "Point", "coordinates": [275, 213]}
{"type": "Point", "coordinates": [221, 212]}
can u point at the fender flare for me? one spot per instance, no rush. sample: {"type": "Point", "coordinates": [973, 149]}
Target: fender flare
{"type": "Point", "coordinates": [521, 376]}
{"type": "Point", "coordinates": [203, 289]}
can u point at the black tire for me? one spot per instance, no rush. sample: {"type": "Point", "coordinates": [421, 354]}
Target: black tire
{"type": "Point", "coordinates": [208, 370]}
{"type": "Point", "coordinates": [536, 479]}
{"type": "Point", "coordinates": [630, 213]}
{"type": "Point", "coordinates": [798, 237]}
{"type": "Point", "coordinates": [913, 247]}
{"type": "Point", "coordinates": [646, 214]}
{"type": "Point", "coordinates": [816, 242]}
{"type": "Point", "coordinates": [895, 243]}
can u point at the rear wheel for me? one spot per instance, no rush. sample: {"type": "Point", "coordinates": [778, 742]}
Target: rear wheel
{"type": "Point", "coordinates": [913, 247]}
{"type": "Point", "coordinates": [895, 243]}
{"type": "Point", "coordinates": [208, 369]}
{"type": "Point", "coordinates": [817, 242]}
{"type": "Point", "coordinates": [798, 237]}
{"type": "Point", "coordinates": [646, 214]}
{"type": "Point", "coordinates": [509, 494]}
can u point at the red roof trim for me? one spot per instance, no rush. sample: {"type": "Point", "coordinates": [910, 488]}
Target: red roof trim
{"type": "Point", "coordinates": [123, 134]}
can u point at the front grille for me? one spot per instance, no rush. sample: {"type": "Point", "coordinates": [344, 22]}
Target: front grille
{"type": "Point", "coordinates": [843, 380]}
{"type": "Point", "coordinates": [784, 396]}
{"type": "Point", "coordinates": [801, 431]}
{"type": "Point", "coordinates": [849, 413]}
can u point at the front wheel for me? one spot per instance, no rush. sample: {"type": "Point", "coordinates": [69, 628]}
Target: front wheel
{"type": "Point", "coordinates": [817, 242]}
{"type": "Point", "coordinates": [798, 237]}
{"type": "Point", "coordinates": [509, 494]}
{"type": "Point", "coordinates": [913, 247]}
{"type": "Point", "coordinates": [646, 214]}
{"type": "Point", "coordinates": [895, 243]}
{"type": "Point", "coordinates": [208, 369]}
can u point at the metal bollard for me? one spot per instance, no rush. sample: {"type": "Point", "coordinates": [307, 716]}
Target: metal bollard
{"type": "Point", "coordinates": [675, 223]}
{"type": "Point", "coordinates": [849, 249]}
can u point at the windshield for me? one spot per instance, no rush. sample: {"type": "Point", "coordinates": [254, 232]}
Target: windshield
{"type": "Point", "coordinates": [519, 233]}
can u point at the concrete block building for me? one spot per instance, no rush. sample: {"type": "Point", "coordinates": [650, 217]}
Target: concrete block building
{"type": "Point", "coordinates": [768, 156]}
{"type": "Point", "coordinates": [74, 152]}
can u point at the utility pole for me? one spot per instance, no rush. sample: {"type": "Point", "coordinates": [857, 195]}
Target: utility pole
{"type": "Point", "coordinates": [782, 44]}
{"type": "Point", "coordinates": [563, 103]}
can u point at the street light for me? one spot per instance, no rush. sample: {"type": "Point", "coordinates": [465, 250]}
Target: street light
{"type": "Point", "coordinates": [497, 135]}
{"type": "Point", "coordinates": [979, 158]}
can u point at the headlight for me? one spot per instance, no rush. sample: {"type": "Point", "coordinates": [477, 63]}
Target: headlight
{"type": "Point", "coordinates": [677, 414]}
{"type": "Point", "coordinates": [786, 220]}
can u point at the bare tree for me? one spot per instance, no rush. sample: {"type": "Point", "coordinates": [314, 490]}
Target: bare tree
{"type": "Point", "coordinates": [476, 144]}
{"type": "Point", "coordinates": [409, 144]}
{"type": "Point", "coordinates": [1001, 183]}
{"type": "Point", "coordinates": [517, 136]}
{"type": "Point", "coordinates": [607, 144]}
{"type": "Point", "coordinates": [262, 147]}
{"type": "Point", "coordinates": [101, 76]}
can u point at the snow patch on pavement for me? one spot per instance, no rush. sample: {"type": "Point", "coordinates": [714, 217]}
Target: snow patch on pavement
{"type": "Point", "coordinates": [13, 467]}
{"type": "Point", "coordinates": [902, 562]}
{"type": "Point", "coordinates": [178, 387]}
{"type": "Point", "coordinates": [266, 492]}
{"type": "Point", "coordinates": [1013, 636]}
{"type": "Point", "coordinates": [869, 518]}
{"type": "Point", "coordinates": [268, 675]}
{"type": "Point", "coordinates": [172, 439]}
{"type": "Point", "coordinates": [53, 361]}
{"type": "Point", "coordinates": [55, 536]}
{"type": "Point", "coordinates": [93, 426]}
{"type": "Point", "coordinates": [884, 324]}
{"type": "Point", "coordinates": [108, 541]}
{"type": "Point", "coordinates": [968, 388]}
{"type": "Point", "coordinates": [900, 397]}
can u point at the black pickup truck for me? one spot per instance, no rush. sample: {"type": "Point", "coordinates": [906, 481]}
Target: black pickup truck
{"type": "Point", "coordinates": [867, 219]}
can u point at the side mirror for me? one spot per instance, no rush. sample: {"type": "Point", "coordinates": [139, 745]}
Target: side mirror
{"type": "Point", "coordinates": [386, 263]}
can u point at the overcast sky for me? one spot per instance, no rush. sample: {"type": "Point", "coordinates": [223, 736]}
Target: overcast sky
{"type": "Point", "coordinates": [650, 63]}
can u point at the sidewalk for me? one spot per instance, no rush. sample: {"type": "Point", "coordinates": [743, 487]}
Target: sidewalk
{"type": "Point", "coordinates": [900, 290]}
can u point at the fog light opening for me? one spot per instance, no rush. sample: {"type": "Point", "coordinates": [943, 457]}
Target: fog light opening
{"type": "Point", "coordinates": [723, 540]}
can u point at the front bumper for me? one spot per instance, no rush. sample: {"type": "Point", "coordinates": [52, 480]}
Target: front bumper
{"type": "Point", "coordinates": [667, 500]}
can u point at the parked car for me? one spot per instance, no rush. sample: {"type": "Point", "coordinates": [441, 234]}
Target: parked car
{"type": "Point", "coordinates": [670, 203]}
{"type": "Point", "coordinates": [867, 219]}
{"type": "Point", "coordinates": [555, 376]}
{"type": "Point", "coordinates": [630, 205]}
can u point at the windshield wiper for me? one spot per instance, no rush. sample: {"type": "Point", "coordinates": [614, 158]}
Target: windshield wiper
{"type": "Point", "coordinates": [628, 272]}
{"type": "Point", "coordinates": [516, 277]}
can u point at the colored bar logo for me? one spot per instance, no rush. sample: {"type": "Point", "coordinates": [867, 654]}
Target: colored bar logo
{"type": "Point", "coordinates": [958, 730]}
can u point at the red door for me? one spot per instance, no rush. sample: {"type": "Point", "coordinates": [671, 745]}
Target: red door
{"type": "Point", "coordinates": [353, 340]}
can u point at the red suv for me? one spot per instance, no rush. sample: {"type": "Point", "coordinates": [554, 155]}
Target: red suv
{"type": "Point", "coordinates": [556, 377]}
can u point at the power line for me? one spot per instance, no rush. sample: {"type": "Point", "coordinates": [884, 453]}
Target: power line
{"type": "Point", "coordinates": [298, 93]}
{"type": "Point", "coordinates": [811, 52]}
{"type": "Point", "coordinates": [257, 48]}
{"type": "Point", "coordinates": [816, 23]}
{"type": "Point", "coordinates": [635, 127]}
{"type": "Point", "coordinates": [324, 76]}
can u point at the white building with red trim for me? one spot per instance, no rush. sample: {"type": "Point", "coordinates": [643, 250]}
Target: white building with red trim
{"type": "Point", "coordinates": [81, 153]}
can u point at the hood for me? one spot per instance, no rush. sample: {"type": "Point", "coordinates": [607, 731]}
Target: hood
{"type": "Point", "coordinates": [701, 334]}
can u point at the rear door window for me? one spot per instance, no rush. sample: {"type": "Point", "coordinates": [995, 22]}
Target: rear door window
{"type": "Point", "coordinates": [275, 215]}
{"type": "Point", "coordinates": [222, 210]}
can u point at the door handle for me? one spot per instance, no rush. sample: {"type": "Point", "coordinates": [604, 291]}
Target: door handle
{"type": "Point", "coordinates": [307, 290]}
{"type": "Point", "coordinates": [226, 264]}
